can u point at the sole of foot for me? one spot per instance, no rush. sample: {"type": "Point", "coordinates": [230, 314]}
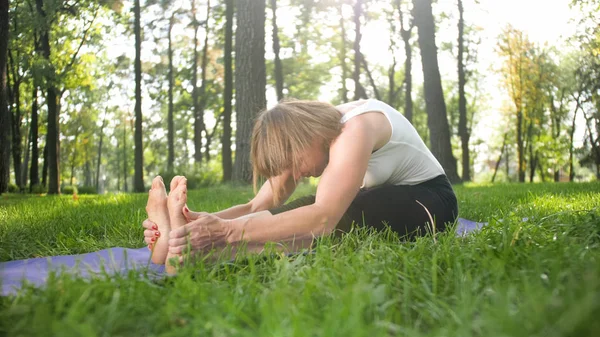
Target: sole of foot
{"type": "Point", "coordinates": [157, 211]}
{"type": "Point", "coordinates": [175, 203]}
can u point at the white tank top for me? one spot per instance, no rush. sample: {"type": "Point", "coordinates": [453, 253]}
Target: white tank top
{"type": "Point", "coordinates": [405, 159]}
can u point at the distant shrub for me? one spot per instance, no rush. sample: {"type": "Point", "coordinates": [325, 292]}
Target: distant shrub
{"type": "Point", "coordinates": [12, 188]}
{"type": "Point", "coordinates": [205, 175]}
{"type": "Point", "coordinates": [38, 189]}
{"type": "Point", "coordinates": [68, 189]}
{"type": "Point", "coordinates": [87, 190]}
{"type": "Point", "coordinates": [201, 175]}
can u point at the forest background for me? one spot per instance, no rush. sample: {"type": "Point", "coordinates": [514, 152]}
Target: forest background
{"type": "Point", "coordinates": [103, 95]}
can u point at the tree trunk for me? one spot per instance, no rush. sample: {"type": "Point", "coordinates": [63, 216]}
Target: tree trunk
{"type": "Point", "coordinates": [370, 76]}
{"type": "Point", "coordinates": [73, 156]}
{"type": "Point", "coordinates": [52, 97]}
{"type": "Point", "coordinates": [25, 164]}
{"type": "Point", "coordinates": [359, 91]}
{"type": "Point", "coordinates": [406, 35]}
{"type": "Point", "coordinates": [437, 120]}
{"type": "Point", "coordinates": [532, 162]}
{"type": "Point", "coordinates": [171, 128]}
{"type": "Point", "coordinates": [34, 175]}
{"type": "Point", "coordinates": [99, 162]}
{"type": "Point", "coordinates": [203, 78]}
{"type": "Point", "coordinates": [499, 158]}
{"type": "Point", "coordinates": [198, 127]}
{"type": "Point", "coordinates": [463, 130]}
{"type": "Point", "coordinates": [125, 171]}
{"type": "Point", "coordinates": [138, 183]}
{"type": "Point", "coordinates": [278, 67]}
{"type": "Point", "coordinates": [250, 75]}
{"type": "Point", "coordinates": [226, 159]}
{"type": "Point", "coordinates": [45, 165]}
{"type": "Point", "coordinates": [16, 122]}
{"type": "Point", "coordinates": [87, 181]}
{"type": "Point", "coordinates": [4, 113]}
{"type": "Point", "coordinates": [571, 138]}
{"type": "Point", "coordinates": [343, 57]}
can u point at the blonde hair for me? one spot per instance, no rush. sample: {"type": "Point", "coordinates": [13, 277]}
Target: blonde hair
{"type": "Point", "coordinates": [283, 133]}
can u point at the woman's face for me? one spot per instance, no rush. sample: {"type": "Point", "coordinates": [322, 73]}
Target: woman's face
{"type": "Point", "coordinates": [314, 161]}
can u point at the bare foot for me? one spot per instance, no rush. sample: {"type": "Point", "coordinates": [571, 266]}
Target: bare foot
{"type": "Point", "coordinates": [159, 214]}
{"type": "Point", "coordinates": [175, 203]}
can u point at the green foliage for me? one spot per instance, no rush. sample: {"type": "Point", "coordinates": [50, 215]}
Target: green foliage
{"type": "Point", "coordinates": [12, 188]}
{"type": "Point", "coordinates": [513, 278]}
{"type": "Point", "coordinates": [68, 189]}
{"type": "Point", "coordinates": [87, 190]}
{"type": "Point", "coordinates": [39, 189]}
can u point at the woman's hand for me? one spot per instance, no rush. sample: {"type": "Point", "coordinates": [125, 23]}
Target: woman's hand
{"type": "Point", "coordinates": [205, 232]}
{"type": "Point", "coordinates": [151, 234]}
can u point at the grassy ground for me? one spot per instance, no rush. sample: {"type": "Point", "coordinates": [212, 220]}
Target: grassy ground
{"type": "Point", "coordinates": [538, 277]}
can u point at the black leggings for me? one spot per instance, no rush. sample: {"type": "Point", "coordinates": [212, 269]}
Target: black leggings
{"type": "Point", "coordinates": [396, 206]}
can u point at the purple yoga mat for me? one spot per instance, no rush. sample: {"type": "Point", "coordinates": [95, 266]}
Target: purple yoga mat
{"type": "Point", "coordinates": [110, 261]}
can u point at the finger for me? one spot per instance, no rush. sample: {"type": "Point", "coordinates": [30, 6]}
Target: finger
{"type": "Point", "coordinates": [149, 224]}
{"type": "Point", "coordinates": [178, 241]}
{"type": "Point", "coordinates": [149, 246]}
{"type": "Point", "coordinates": [149, 233]}
{"type": "Point", "coordinates": [191, 215]}
{"type": "Point", "coordinates": [176, 250]}
{"type": "Point", "coordinates": [180, 232]}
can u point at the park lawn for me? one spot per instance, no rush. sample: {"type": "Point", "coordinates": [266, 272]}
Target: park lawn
{"type": "Point", "coordinates": [533, 271]}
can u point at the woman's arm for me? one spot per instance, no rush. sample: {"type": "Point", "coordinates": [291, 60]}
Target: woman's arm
{"type": "Point", "coordinates": [263, 199]}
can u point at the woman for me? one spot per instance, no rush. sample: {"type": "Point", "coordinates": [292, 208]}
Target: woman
{"type": "Point", "coordinates": [374, 169]}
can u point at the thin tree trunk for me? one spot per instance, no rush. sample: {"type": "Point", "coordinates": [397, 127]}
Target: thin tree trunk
{"type": "Point", "coordinates": [359, 91]}
{"type": "Point", "coordinates": [34, 176]}
{"type": "Point", "coordinates": [45, 165]}
{"type": "Point", "coordinates": [540, 167]}
{"type": "Point", "coordinates": [463, 130]}
{"type": "Point", "coordinates": [171, 128]}
{"type": "Point", "coordinates": [507, 165]}
{"type": "Point", "coordinates": [439, 131]}
{"type": "Point", "coordinates": [88, 173]}
{"type": "Point", "coordinates": [198, 127]}
{"type": "Point", "coordinates": [99, 161]}
{"type": "Point", "coordinates": [125, 171]}
{"type": "Point", "coordinates": [278, 67]}
{"type": "Point", "coordinates": [73, 155]}
{"type": "Point", "coordinates": [52, 98]}
{"type": "Point", "coordinates": [370, 76]}
{"type": "Point", "coordinates": [203, 76]}
{"type": "Point", "coordinates": [250, 79]}
{"type": "Point", "coordinates": [4, 113]}
{"type": "Point", "coordinates": [571, 138]}
{"type": "Point", "coordinates": [343, 57]}
{"type": "Point", "coordinates": [16, 123]}
{"type": "Point", "coordinates": [25, 164]}
{"type": "Point", "coordinates": [138, 183]}
{"type": "Point", "coordinates": [226, 159]}
{"type": "Point", "coordinates": [532, 162]}
{"type": "Point", "coordinates": [499, 159]}
{"type": "Point", "coordinates": [210, 137]}
{"type": "Point", "coordinates": [406, 35]}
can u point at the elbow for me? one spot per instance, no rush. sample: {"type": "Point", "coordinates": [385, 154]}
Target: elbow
{"type": "Point", "coordinates": [326, 222]}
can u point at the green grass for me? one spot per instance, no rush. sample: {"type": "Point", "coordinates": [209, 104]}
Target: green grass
{"type": "Point", "coordinates": [538, 277]}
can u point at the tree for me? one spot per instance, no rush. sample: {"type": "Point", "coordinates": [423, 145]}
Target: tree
{"type": "Point", "coordinates": [228, 94]}
{"type": "Point", "coordinates": [4, 114]}
{"type": "Point", "coordinates": [463, 130]}
{"type": "Point", "coordinates": [171, 131]}
{"type": "Point", "coordinates": [434, 97]}
{"type": "Point", "coordinates": [250, 79]}
{"type": "Point", "coordinates": [359, 91]}
{"type": "Point", "coordinates": [406, 33]}
{"type": "Point", "coordinates": [138, 181]}
{"type": "Point", "coordinates": [276, 47]}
